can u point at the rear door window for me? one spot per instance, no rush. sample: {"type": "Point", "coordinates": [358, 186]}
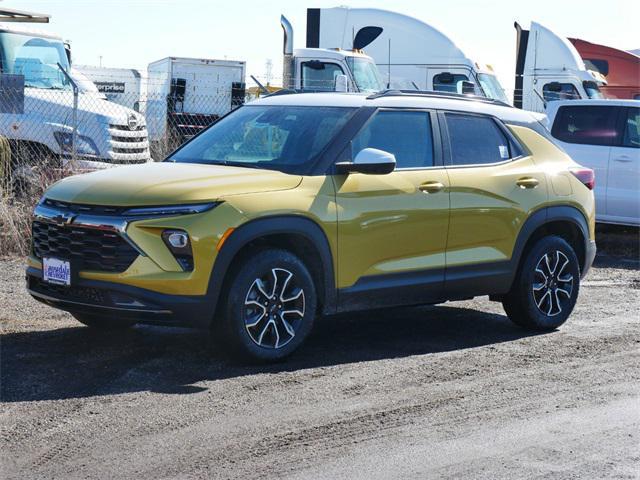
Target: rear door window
{"type": "Point", "coordinates": [477, 140]}
{"type": "Point", "coordinates": [406, 134]}
{"type": "Point", "coordinates": [631, 136]}
{"type": "Point", "coordinates": [588, 125]}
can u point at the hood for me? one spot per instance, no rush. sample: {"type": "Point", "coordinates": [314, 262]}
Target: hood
{"type": "Point", "coordinates": [59, 105]}
{"type": "Point", "coordinates": [167, 183]}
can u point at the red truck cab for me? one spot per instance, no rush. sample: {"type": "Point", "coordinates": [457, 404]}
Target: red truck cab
{"type": "Point", "coordinates": [621, 69]}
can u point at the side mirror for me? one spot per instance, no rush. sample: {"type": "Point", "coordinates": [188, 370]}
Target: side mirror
{"type": "Point", "coordinates": [342, 83]}
{"type": "Point", "coordinates": [370, 161]}
{"type": "Point", "coordinates": [468, 88]}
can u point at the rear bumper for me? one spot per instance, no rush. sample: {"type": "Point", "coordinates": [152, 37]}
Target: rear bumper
{"type": "Point", "coordinates": [589, 257]}
{"type": "Point", "coordinates": [109, 300]}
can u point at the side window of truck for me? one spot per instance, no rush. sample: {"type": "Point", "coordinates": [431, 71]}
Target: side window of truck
{"type": "Point", "coordinates": [448, 82]}
{"type": "Point", "coordinates": [317, 75]}
{"type": "Point", "coordinates": [477, 140]}
{"type": "Point", "coordinates": [588, 125]}
{"type": "Point", "coordinates": [631, 136]}
{"type": "Point", "coordinates": [559, 91]}
{"type": "Point", "coordinates": [406, 134]}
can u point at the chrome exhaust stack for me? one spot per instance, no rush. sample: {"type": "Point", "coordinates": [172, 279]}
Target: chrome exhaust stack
{"type": "Point", "coordinates": [287, 52]}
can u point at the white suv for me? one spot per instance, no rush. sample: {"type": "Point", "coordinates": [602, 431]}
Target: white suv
{"type": "Point", "coordinates": [604, 135]}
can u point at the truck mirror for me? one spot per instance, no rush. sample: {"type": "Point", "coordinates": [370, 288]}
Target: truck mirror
{"type": "Point", "coordinates": [342, 83]}
{"type": "Point", "coordinates": [468, 88]}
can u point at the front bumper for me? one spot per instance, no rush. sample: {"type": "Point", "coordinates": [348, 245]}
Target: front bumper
{"type": "Point", "coordinates": [106, 299]}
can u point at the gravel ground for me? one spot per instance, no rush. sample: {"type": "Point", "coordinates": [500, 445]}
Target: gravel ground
{"type": "Point", "coordinates": [452, 391]}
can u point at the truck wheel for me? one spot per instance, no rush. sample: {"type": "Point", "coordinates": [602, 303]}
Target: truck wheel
{"type": "Point", "coordinates": [546, 289]}
{"type": "Point", "coordinates": [270, 306]}
{"type": "Point", "coordinates": [103, 323]}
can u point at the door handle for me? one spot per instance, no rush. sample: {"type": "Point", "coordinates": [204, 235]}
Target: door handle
{"type": "Point", "coordinates": [623, 158]}
{"type": "Point", "coordinates": [527, 182]}
{"type": "Point", "coordinates": [431, 187]}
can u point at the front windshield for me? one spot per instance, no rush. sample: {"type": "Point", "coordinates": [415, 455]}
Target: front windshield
{"type": "Point", "coordinates": [283, 138]}
{"type": "Point", "coordinates": [365, 74]}
{"type": "Point", "coordinates": [491, 87]}
{"type": "Point", "coordinates": [592, 89]}
{"type": "Point", "coordinates": [34, 57]}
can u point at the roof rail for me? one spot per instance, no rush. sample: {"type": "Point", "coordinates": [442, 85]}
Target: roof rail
{"type": "Point", "coordinates": [435, 94]}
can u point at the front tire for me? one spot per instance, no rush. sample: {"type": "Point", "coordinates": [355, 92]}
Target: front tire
{"type": "Point", "coordinates": [270, 306]}
{"type": "Point", "coordinates": [546, 289]}
{"type": "Point", "coordinates": [102, 323]}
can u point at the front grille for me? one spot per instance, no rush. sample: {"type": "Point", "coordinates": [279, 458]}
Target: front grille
{"type": "Point", "coordinates": [129, 150]}
{"type": "Point", "coordinates": [80, 208]}
{"type": "Point", "coordinates": [116, 138]}
{"type": "Point", "coordinates": [87, 248]}
{"type": "Point", "coordinates": [126, 127]}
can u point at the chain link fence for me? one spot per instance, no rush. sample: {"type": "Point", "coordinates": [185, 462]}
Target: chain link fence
{"type": "Point", "coordinates": [81, 125]}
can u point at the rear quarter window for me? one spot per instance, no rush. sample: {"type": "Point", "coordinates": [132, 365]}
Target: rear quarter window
{"type": "Point", "coordinates": [587, 125]}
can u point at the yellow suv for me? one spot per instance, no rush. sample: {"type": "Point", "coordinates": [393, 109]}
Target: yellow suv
{"type": "Point", "coordinates": [299, 205]}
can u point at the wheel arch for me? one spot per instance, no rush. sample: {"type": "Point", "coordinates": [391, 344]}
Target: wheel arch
{"type": "Point", "coordinates": [564, 221]}
{"type": "Point", "coordinates": [300, 235]}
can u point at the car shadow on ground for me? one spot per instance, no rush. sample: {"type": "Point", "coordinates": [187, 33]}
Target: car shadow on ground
{"type": "Point", "coordinates": [78, 362]}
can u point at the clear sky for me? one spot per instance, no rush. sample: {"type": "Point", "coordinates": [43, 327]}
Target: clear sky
{"type": "Point", "coordinates": [132, 33]}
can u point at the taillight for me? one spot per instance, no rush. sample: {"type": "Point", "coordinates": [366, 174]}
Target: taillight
{"type": "Point", "coordinates": [585, 175]}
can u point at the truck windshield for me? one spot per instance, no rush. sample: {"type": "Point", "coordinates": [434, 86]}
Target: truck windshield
{"type": "Point", "coordinates": [491, 87]}
{"type": "Point", "coordinates": [284, 138]}
{"type": "Point", "coordinates": [592, 89]}
{"type": "Point", "coordinates": [34, 57]}
{"type": "Point", "coordinates": [365, 74]}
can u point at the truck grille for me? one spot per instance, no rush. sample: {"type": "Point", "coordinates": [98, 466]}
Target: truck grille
{"type": "Point", "coordinates": [89, 248]}
{"type": "Point", "coordinates": [129, 146]}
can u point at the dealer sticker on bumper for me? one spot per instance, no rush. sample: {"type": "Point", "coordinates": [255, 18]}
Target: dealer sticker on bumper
{"type": "Point", "coordinates": [56, 271]}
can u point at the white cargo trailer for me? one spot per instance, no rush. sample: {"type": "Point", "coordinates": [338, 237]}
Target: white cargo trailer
{"type": "Point", "coordinates": [185, 95]}
{"type": "Point", "coordinates": [124, 86]}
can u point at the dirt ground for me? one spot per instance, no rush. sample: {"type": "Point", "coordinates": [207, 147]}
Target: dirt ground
{"type": "Point", "coordinates": [451, 391]}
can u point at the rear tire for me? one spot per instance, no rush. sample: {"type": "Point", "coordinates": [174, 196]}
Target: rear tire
{"type": "Point", "coordinates": [546, 287]}
{"type": "Point", "coordinates": [270, 306]}
{"type": "Point", "coordinates": [103, 323]}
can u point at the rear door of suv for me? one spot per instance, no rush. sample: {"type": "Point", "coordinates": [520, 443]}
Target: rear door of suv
{"type": "Point", "coordinates": [623, 189]}
{"type": "Point", "coordinates": [494, 186]}
{"type": "Point", "coordinates": [392, 229]}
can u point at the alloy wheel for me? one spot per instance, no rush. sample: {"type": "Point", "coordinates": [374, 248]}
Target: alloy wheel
{"type": "Point", "coordinates": [553, 283]}
{"type": "Point", "coordinates": [274, 308]}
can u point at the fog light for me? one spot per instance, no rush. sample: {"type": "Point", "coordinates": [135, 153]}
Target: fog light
{"type": "Point", "coordinates": [177, 241]}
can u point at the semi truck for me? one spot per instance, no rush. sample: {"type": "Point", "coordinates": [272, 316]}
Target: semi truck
{"type": "Point", "coordinates": [42, 118]}
{"type": "Point", "coordinates": [549, 68]}
{"type": "Point", "coordinates": [410, 53]}
{"type": "Point", "coordinates": [186, 95]}
{"type": "Point", "coordinates": [620, 68]}
{"type": "Point", "coordinates": [342, 67]}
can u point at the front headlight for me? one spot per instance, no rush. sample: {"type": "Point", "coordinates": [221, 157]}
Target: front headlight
{"type": "Point", "coordinates": [168, 210]}
{"type": "Point", "coordinates": [84, 145]}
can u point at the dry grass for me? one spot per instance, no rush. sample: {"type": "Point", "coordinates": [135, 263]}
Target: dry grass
{"type": "Point", "coordinates": [16, 208]}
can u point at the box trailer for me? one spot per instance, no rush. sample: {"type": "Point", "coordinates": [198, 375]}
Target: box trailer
{"type": "Point", "coordinates": [124, 86]}
{"type": "Point", "coordinates": [185, 95]}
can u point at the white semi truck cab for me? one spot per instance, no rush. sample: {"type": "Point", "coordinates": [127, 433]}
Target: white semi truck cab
{"type": "Point", "coordinates": [410, 53]}
{"type": "Point", "coordinates": [549, 68]}
{"type": "Point", "coordinates": [330, 69]}
{"type": "Point", "coordinates": [37, 107]}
